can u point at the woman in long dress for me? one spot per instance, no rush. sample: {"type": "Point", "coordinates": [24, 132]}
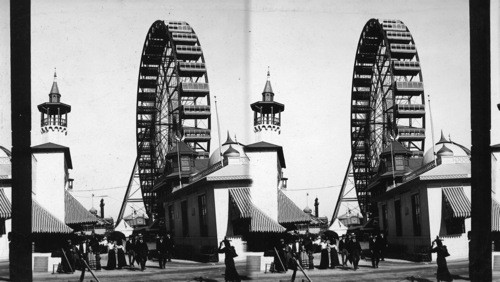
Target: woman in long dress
{"type": "Point", "coordinates": [334, 256]}
{"type": "Point", "coordinates": [120, 254]}
{"type": "Point", "coordinates": [323, 264]}
{"type": "Point", "coordinates": [443, 274]}
{"type": "Point", "coordinates": [230, 274]}
{"type": "Point", "coordinates": [111, 256]}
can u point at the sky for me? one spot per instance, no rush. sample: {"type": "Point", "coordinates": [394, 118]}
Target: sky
{"type": "Point", "coordinates": [309, 47]}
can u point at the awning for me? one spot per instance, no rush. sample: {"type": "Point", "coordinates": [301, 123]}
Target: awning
{"type": "Point", "coordinates": [288, 212]}
{"type": "Point", "coordinates": [456, 202]}
{"type": "Point", "coordinates": [44, 222]}
{"type": "Point", "coordinates": [240, 197]}
{"type": "Point", "coordinates": [261, 222]}
{"type": "Point", "coordinates": [75, 213]}
{"type": "Point", "coordinates": [495, 215]}
{"type": "Point", "coordinates": [5, 207]}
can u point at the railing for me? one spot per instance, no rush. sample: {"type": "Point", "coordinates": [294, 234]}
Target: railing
{"type": "Point", "coordinates": [415, 107]}
{"type": "Point", "coordinates": [188, 49]}
{"type": "Point", "coordinates": [403, 47]}
{"type": "Point", "coordinates": [54, 121]}
{"type": "Point", "coordinates": [273, 121]}
{"type": "Point", "coordinates": [394, 26]}
{"type": "Point", "coordinates": [179, 28]}
{"type": "Point", "coordinates": [409, 85]}
{"type": "Point", "coordinates": [196, 108]}
{"type": "Point", "coordinates": [184, 36]}
{"type": "Point", "coordinates": [399, 35]}
{"type": "Point", "coordinates": [406, 65]}
{"type": "Point", "coordinates": [194, 86]}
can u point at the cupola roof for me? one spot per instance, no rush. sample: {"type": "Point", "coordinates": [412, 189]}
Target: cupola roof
{"type": "Point", "coordinates": [443, 139]}
{"type": "Point", "coordinates": [231, 152]}
{"type": "Point", "coordinates": [267, 87]}
{"type": "Point", "coordinates": [445, 151]}
{"type": "Point", "coordinates": [54, 89]}
{"type": "Point", "coordinates": [228, 140]}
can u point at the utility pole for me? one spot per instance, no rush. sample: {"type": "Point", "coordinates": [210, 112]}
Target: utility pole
{"type": "Point", "coordinates": [480, 84]}
{"type": "Point", "coordinates": [20, 64]}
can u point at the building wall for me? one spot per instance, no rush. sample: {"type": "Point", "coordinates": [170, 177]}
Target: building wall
{"type": "Point", "coordinates": [265, 174]}
{"type": "Point", "coordinates": [4, 242]}
{"type": "Point", "coordinates": [432, 220]}
{"type": "Point", "coordinates": [194, 241]}
{"type": "Point", "coordinates": [51, 178]}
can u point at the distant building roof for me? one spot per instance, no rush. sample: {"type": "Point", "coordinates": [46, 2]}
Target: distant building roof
{"type": "Point", "coordinates": [265, 146]}
{"type": "Point", "coordinates": [52, 147]}
{"type": "Point", "coordinates": [261, 222]}
{"type": "Point", "coordinates": [288, 211]}
{"type": "Point", "coordinates": [5, 206]}
{"type": "Point", "coordinates": [448, 171]}
{"type": "Point", "coordinates": [75, 213]}
{"type": "Point", "coordinates": [42, 221]}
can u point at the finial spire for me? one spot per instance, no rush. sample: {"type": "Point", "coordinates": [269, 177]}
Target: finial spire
{"type": "Point", "coordinates": [268, 74]}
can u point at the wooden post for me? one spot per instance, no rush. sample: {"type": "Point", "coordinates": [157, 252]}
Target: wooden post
{"type": "Point", "coordinates": [20, 40]}
{"type": "Point", "coordinates": [480, 74]}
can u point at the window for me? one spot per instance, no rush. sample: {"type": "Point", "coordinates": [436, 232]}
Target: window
{"type": "Point", "coordinates": [415, 211]}
{"type": "Point", "coordinates": [185, 164]}
{"type": "Point", "coordinates": [185, 222]}
{"type": "Point", "coordinates": [171, 219]}
{"type": "Point", "coordinates": [397, 211]}
{"type": "Point", "coordinates": [202, 209]}
{"type": "Point", "coordinates": [399, 163]}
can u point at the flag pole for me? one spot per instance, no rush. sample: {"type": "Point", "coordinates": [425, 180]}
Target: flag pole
{"type": "Point", "coordinates": [432, 130]}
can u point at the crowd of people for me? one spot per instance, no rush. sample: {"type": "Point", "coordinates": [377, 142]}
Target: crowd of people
{"type": "Point", "coordinates": [300, 252]}
{"type": "Point", "coordinates": [86, 253]}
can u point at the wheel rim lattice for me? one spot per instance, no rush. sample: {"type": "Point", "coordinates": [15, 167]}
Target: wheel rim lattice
{"type": "Point", "coordinates": [387, 100]}
{"type": "Point", "coordinates": [173, 102]}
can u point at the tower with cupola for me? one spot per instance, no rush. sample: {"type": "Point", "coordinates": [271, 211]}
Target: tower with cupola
{"type": "Point", "coordinates": [267, 115]}
{"type": "Point", "coordinates": [54, 117]}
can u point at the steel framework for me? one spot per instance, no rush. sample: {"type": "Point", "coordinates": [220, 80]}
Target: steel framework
{"type": "Point", "coordinates": [173, 103]}
{"type": "Point", "coordinates": [387, 103]}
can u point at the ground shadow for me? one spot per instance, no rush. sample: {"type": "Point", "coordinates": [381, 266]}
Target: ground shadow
{"type": "Point", "coordinates": [417, 279]}
{"type": "Point", "coordinates": [454, 276]}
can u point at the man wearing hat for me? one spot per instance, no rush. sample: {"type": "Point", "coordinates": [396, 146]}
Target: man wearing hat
{"type": "Point", "coordinates": [354, 249]}
{"type": "Point", "coordinates": [343, 249]}
{"type": "Point", "coordinates": [130, 247]}
{"type": "Point", "coordinates": [142, 250]}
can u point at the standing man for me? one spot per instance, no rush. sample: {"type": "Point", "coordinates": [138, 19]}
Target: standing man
{"type": "Point", "coordinates": [161, 248]}
{"type": "Point", "coordinates": [383, 245]}
{"type": "Point", "coordinates": [142, 252]}
{"type": "Point", "coordinates": [129, 245]}
{"type": "Point", "coordinates": [375, 250]}
{"type": "Point", "coordinates": [169, 245]}
{"type": "Point", "coordinates": [343, 250]}
{"type": "Point", "coordinates": [354, 251]}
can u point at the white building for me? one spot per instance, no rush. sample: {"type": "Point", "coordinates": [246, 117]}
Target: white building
{"type": "Point", "coordinates": [237, 194]}
{"type": "Point", "coordinates": [55, 212]}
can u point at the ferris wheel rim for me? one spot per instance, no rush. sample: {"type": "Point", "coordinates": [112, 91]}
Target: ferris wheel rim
{"type": "Point", "coordinates": [162, 110]}
{"type": "Point", "coordinates": [371, 126]}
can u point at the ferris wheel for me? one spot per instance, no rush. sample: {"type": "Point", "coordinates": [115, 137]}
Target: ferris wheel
{"type": "Point", "coordinates": [387, 100]}
{"type": "Point", "coordinates": [173, 102]}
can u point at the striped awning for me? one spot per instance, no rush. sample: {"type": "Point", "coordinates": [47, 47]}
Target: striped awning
{"type": "Point", "coordinates": [495, 215]}
{"type": "Point", "coordinates": [44, 222]}
{"type": "Point", "coordinates": [261, 222]}
{"type": "Point", "coordinates": [75, 212]}
{"type": "Point", "coordinates": [456, 202]}
{"type": "Point", "coordinates": [5, 206]}
{"type": "Point", "coordinates": [288, 212]}
{"type": "Point", "coordinates": [240, 197]}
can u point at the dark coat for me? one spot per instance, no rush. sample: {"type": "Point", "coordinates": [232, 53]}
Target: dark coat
{"type": "Point", "coordinates": [141, 248]}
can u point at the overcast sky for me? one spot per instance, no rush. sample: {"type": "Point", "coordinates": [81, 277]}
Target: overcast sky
{"type": "Point", "coordinates": [308, 45]}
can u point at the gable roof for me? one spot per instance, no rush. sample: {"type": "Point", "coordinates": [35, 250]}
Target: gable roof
{"type": "Point", "coordinates": [74, 212]}
{"type": "Point", "coordinates": [42, 221]}
{"type": "Point", "coordinates": [263, 146]}
{"type": "Point", "coordinates": [288, 211]}
{"type": "Point", "coordinates": [52, 147]}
